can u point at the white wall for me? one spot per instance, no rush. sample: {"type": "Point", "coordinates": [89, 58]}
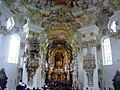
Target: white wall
{"type": "Point", "coordinates": [81, 70]}
{"type": "Point", "coordinates": [10, 69]}
{"type": "Point", "coordinates": [110, 70]}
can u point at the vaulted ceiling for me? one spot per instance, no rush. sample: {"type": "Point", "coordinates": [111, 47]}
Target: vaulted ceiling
{"type": "Point", "coordinates": [61, 19]}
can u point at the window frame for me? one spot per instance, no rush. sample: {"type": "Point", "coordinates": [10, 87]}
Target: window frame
{"type": "Point", "coordinates": [108, 51]}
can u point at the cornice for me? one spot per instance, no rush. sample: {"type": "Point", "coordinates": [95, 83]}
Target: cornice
{"type": "Point", "coordinates": [35, 28]}
{"type": "Point", "coordinates": [89, 28]}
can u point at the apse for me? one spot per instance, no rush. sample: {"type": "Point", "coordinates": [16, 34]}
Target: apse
{"type": "Point", "coordinates": [59, 66]}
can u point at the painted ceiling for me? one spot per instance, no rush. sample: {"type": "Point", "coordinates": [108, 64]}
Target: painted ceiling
{"type": "Point", "coordinates": [61, 19]}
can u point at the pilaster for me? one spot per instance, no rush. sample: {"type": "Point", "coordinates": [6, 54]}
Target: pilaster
{"type": "Point", "coordinates": [90, 66]}
{"type": "Point", "coordinates": [32, 66]}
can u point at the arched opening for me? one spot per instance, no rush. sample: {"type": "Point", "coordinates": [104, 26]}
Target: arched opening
{"type": "Point", "coordinates": [106, 51]}
{"type": "Point", "coordinates": [14, 49]}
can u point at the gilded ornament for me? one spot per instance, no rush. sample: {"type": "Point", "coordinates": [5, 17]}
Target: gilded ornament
{"type": "Point", "coordinates": [86, 44]}
{"type": "Point", "coordinates": [9, 2]}
{"type": "Point", "coordinates": [36, 16]}
{"type": "Point", "coordinates": [114, 3]}
{"type": "Point", "coordinates": [32, 62]}
{"type": "Point", "coordinates": [92, 34]}
{"type": "Point", "coordinates": [86, 18]}
{"type": "Point", "coordinates": [116, 35]}
{"type": "Point", "coordinates": [98, 47]}
{"type": "Point", "coordinates": [89, 62]}
{"type": "Point", "coordinates": [34, 33]}
{"type": "Point", "coordinates": [83, 35]}
{"type": "Point", "coordinates": [89, 66]}
{"type": "Point", "coordinates": [58, 59]}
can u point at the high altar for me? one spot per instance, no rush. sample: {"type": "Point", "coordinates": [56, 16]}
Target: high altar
{"type": "Point", "coordinates": [59, 64]}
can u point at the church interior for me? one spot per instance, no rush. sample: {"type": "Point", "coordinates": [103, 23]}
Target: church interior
{"type": "Point", "coordinates": [60, 44]}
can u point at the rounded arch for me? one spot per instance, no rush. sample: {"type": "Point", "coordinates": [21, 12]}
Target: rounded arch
{"type": "Point", "coordinates": [106, 50]}
{"type": "Point", "coordinates": [103, 38]}
{"type": "Point", "coordinates": [10, 23]}
{"type": "Point", "coordinates": [14, 48]}
{"type": "Point", "coordinates": [112, 26]}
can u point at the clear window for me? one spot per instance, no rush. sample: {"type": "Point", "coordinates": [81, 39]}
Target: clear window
{"type": "Point", "coordinates": [10, 23]}
{"type": "Point", "coordinates": [14, 49]}
{"type": "Point", "coordinates": [106, 51]}
{"type": "Point", "coordinates": [113, 26]}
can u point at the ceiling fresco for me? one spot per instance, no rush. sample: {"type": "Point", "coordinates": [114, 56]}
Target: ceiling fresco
{"type": "Point", "coordinates": [61, 19]}
{"type": "Point", "coordinates": [37, 10]}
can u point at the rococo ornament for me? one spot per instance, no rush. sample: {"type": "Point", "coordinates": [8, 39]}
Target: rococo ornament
{"type": "Point", "coordinates": [116, 35]}
{"type": "Point", "coordinates": [89, 66]}
{"type": "Point", "coordinates": [32, 62]}
{"type": "Point", "coordinates": [91, 43]}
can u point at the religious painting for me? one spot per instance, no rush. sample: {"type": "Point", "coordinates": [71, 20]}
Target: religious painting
{"type": "Point", "coordinates": [58, 60]}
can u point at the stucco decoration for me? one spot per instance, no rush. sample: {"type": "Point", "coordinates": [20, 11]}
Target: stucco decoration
{"type": "Point", "coordinates": [87, 18]}
{"type": "Point", "coordinates": [61, 16]}
{"type": "Point", "coordinates": [91, 43]}
{"type": "Point", "coordinates": [89, 66]}
{"type": "Point", "coordinates": [32, 62]}
{"type": "Point", "coordinates": [86, 9]}
{"type": "Point", "coordinates": [114, 4]}
{"type": "Point", "coordinates": [116, 35]}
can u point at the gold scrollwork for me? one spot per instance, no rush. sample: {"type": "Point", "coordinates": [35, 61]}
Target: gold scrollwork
{"type": "Point", "coordinates": [91, 43]}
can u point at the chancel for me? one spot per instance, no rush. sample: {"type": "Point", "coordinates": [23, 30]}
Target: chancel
{"type": "Point", "coordinates": [60, 44]}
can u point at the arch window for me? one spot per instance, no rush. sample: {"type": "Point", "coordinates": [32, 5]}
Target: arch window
{"type": "Point", "coordinates": [10, 23]}
{"type": "Point", "coordinates": [113, 26]}
{"type": "Point", "coordinates": [106, 51]}
{"type": "Point", "coordinates": [14, 49]}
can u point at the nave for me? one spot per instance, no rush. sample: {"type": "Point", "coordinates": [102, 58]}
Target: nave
{"type": "Point", "coordinates": [60, 44]}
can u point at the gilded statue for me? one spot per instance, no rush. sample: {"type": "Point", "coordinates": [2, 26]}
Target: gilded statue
{"type": "Point", "coordinates": [32, 62]}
